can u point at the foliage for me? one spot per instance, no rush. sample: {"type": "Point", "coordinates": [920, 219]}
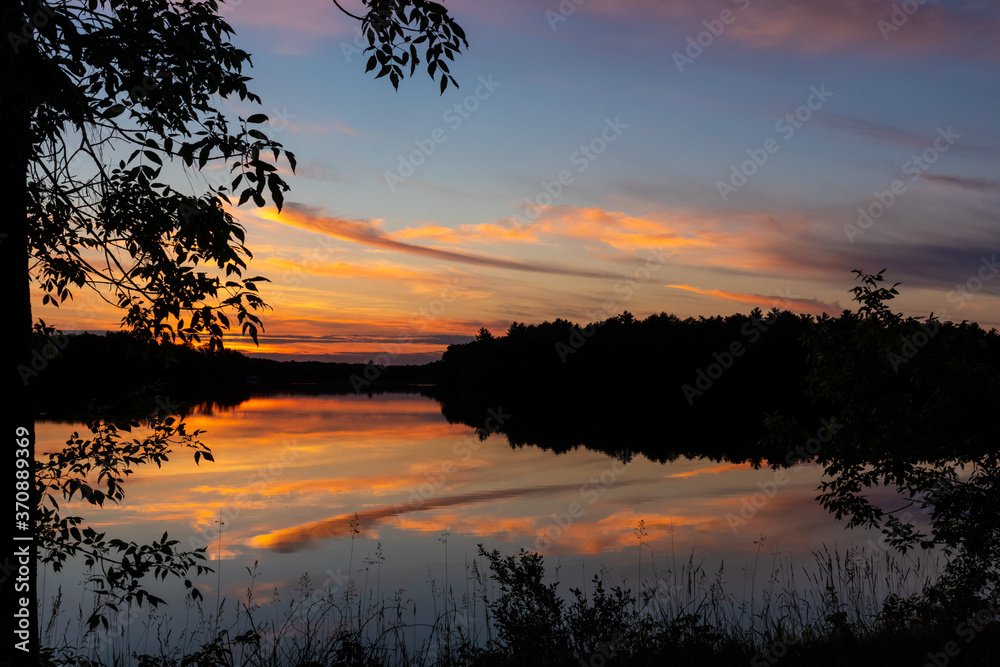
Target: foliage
{"type": "Point", "coordinates": [388, 26]}
{"type": "Point", "coordinates": [126, 96]}
{"type": "Point", "coordinates": [914, 399]}
{"type": "Point", "coordinates": [95, 469]}
{"type": "Point", "coordinates": [527, 612]}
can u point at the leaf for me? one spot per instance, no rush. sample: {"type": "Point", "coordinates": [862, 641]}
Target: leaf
{"type": "Point", "coordinates": [257, 118]}
{"type": "Point", "coordinates": [206, 152]}
{"type": "Point", "coordinates": [279, 199]}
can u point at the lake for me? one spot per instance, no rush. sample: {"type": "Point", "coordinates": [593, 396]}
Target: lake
{"type": "Point", "coordinates": [291, 473]}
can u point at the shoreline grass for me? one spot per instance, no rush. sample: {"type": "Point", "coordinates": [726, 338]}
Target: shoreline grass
{"type": "Point", "coordinates": [845, 608]}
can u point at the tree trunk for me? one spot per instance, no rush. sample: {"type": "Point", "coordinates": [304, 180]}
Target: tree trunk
{"type": "Point", "coordinates": [18, 571]}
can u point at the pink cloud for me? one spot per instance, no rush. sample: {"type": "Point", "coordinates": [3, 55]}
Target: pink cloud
{"type": "Point", "coordinates": [808, 26]}
{"type": "Point", "coordinates": [296, 26]}
{"type": "Point", "coordinates": [793, 303]}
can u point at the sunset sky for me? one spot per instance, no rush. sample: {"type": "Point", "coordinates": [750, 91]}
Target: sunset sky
{"type": "Point", "coordinates": [695, 157]}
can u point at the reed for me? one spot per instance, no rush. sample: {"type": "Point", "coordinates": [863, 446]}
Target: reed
{"type": "Point", "coordinates": [842, 608]}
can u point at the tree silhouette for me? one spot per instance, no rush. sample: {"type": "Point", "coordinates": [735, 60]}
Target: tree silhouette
{"type": "Point", "coordinates": [101, 100]}
{"type": "Point", "coordinates": [915, 403]}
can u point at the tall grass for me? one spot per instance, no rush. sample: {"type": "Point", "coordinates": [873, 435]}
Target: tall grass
{"type": "Point", "coordinates": [843, 608]}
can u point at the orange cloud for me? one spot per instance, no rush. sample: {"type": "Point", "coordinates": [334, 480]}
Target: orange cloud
{"type": "Point", "coordinates": [463, 234]}
{"type": "Point", "coordinates": [370, 233]}
{"type": "Point", "coordinates": [559, 223]}
{"type": "Point", "coordinates": [348, 270]}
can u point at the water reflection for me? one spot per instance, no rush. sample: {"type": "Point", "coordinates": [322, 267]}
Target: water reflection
{"type": "Point", "coordinates": [292, 472]}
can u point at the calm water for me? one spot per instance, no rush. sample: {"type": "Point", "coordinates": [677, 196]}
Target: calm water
{"type": "Point", "coordinates": [290, 473]}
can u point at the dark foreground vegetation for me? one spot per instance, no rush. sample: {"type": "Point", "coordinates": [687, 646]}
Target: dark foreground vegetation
{"type": "Point", "coordinates": [846, 609]}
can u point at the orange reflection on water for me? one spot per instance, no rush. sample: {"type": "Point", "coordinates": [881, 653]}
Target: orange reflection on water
{"type": "Point", "coordinates": [725, 467]}
{"type": "Point", "coordinates": [291, 474]}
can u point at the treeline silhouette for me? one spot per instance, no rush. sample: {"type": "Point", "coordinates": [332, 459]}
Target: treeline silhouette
{"type": "Point", "coordinates": [662, 386]}
{"type": "Point", "coordinates": [122, 373]}
{"type": "Point", "coordinates": [705, 387]}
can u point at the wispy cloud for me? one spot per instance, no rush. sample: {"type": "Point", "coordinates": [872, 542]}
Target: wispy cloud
{"type": "Point", "coordinates": [798, 304]}
{"type": "Point", "coordinates": [371, 234]}
{"type": "Point", "coordinates": [980, 184]}
{"type": "Point", "coordinates": [874, 130]}
{"type": "Point", "coordinates": [892, 134]}
{"type": "Point", "coordinates": [349, 270]}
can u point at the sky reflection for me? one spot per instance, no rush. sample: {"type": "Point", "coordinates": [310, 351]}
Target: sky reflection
{"type": "Point", "coordinates": [291, 472]}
